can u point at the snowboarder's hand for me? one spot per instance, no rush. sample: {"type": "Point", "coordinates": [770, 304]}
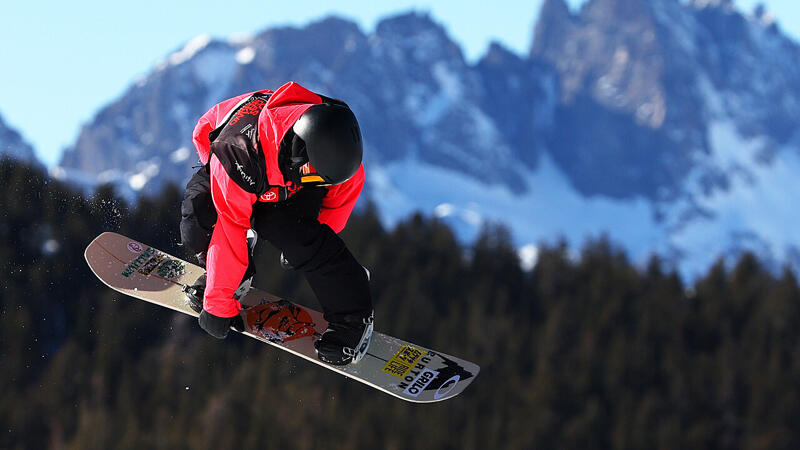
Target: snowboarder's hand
{"type": "Point", "coordinates": [219, 326]}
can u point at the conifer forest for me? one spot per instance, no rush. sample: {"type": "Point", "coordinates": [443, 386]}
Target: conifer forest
{"type": "Point", "coordinates": [586, 350]}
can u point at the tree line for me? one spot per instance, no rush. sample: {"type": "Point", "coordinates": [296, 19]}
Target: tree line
{"type": "Point", "coordinates": [587, 350]}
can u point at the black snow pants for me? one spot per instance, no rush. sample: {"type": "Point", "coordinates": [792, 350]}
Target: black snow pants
{"type": "Point", "coordinates": [339, 282]}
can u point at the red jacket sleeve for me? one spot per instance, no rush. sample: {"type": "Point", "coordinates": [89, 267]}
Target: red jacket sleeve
{"type": "Point", "coordinates": [338, 204]}
{"type": "Point", "coordinates": [227, 258]}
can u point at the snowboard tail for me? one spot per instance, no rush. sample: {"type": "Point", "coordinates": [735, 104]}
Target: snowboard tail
{"type": "Point", "coordinates": [394, 366]}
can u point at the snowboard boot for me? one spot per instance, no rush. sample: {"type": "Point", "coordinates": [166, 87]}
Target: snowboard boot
{"type": "Point", "coordinates": [345, 341]}
{"type": "Point", "coordinates": [195, 292]}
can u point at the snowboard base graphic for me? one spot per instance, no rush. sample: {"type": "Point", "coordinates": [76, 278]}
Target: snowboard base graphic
{"type": "Point", "coordinates": [399, 368]}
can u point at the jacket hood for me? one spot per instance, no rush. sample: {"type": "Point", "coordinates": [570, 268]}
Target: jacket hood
{"type": "Point", "coordinates": [284, 107]}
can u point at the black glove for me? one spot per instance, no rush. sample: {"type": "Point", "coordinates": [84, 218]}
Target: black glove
{"type": "Point", "coordinates": [219, 326]}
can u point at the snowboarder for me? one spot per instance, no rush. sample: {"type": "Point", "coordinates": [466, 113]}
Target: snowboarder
{"type": "Point", "coordinates": [286, 164]}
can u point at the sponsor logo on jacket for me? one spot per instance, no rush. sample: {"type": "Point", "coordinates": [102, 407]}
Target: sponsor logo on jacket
{"type": "Point", "coordinates": [278, 193]}
{"type": "Point", "coordinates": [252, 108]}
{"type": "Point", "coordinates": [245, 177]}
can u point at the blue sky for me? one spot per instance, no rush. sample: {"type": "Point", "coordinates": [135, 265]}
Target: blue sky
{"type": "Point", "coordinates": [74, 57]}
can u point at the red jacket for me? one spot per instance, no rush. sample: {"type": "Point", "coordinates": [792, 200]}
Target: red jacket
{"type": "Point", "coordinates": [226, 261]}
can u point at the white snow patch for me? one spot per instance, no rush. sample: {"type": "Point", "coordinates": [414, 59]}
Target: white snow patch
{"type": "Point", "coordinates": [528, 256]}
{"type": "Point", "coordinates": [137, 181]}
{"type": "Point", "coordinates": [180, 155]}
{"type": "Point", "coordinates": [58, 173]}
{"type": "Point", "coordinates": [730, 150]}
{"type": "Point", "coordinates": [147, 171]}
{"type": "Point", "coordinates": [428, 109]}
{"type": "Point", "coordinates": [471, 215]}
{"type": "Point", "coordinates": [468, 214]}
{"type": "Point", "coordinates": [549, 210]}
{"type": "Point", "coordinates": [214, 66]}
{"type": "Point", "coordinates": [245, 55]}
{"type": "Point", "coordinates": [109, 176]}
{"type": "Point", "coordinates": [448, 80]}
{"type": "Point", "coordinates": [444, 210]}
{"type": "Point", "coordinates": [757, 203]}
{"type": "Point", "coordinates": [190, 49]}
{"type": "Point", "coordinates": [482, 131]}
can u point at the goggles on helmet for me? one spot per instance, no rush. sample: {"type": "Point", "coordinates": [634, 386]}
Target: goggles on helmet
{"type": "Point", "coordinates": [309, 175]}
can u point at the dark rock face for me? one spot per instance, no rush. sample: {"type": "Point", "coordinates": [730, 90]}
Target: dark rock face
{"type": "Point", "coordinates": [13, 145]}
{"type": "Point", "coordinates": [655, 74]}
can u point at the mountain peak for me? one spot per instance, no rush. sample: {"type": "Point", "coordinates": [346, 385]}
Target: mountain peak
{"type": "Point", "coordinates": [555, 20]}
{"type": "Point", "coordinates": [333, 24]}
{"type": "Point", "coordinates": [614, 11]}
{"type": "Point", "coordinates": [12, 144]}
{"type": "Point", "coordinates": [497, 54]}
{"type": "Point", "coordinates": [409, 22]}
{"type": "Point", "coordinates": [417, 34]}
{"type": "Point", "coordinates": [189, 50]}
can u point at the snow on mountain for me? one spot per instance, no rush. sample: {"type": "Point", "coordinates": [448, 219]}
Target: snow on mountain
{"type": "Point", "coordinates": [668, 126]}
{"type": "Point", "coordinates": [550, 208]}
{"type": "Point", "coordinates": [754, 212]}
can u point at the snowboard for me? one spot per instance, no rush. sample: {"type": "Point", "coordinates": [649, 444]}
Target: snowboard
{"type": "Point", "coordinates": [399, 368]}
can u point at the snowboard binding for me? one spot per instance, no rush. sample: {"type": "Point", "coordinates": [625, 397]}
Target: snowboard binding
{"type": "Point", "coordinates": [345, 341]}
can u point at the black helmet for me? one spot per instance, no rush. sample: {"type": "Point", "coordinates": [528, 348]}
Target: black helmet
{"type": "Point", "coordinates": [332, 139]}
